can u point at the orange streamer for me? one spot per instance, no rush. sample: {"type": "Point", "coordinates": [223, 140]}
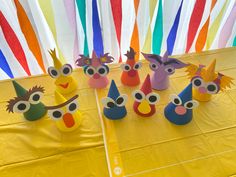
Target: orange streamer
{"type": "Point", "coordinates": [201, 40]}
{"type": "Point", "coordinates": [135, 36]}
{"type": "Point", "coordinates": [29, 34]}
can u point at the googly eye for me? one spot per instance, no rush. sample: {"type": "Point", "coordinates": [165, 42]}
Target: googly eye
{"type": "Point", "coordinates": [121, 100]}
{"type": "Point", "coordinates": [125, 67]}
{"type": "Point", "coordinates": [153, 98]}
{"type": "Point", "coordinates": [55, 114]}
{"type": "Point", "coordinates": [138, 95]}
{"type": "Point", "coordinates": [73, 106]}
{"type": "Point", "coordinates": [35, 97]}
{"type": "Point", "coordinates": [153, 66]}
{"type": "Point", "coordinates": [21, 106]}
{"type": "Point", "coordinates": [212, 88]}
{"type": "Point", "coordinates": [191, 104]}
{"type": "Point", "coordinates": [53, 72]}
{"type": "Point", "coordinates": [66, 70]}
{"type": "Point", "coordinates": [170, 70]}
{"type": "Point", "coordinates": [137, 66]}
{"type": "Point", "coordinates": [102, 70]}
{"type": "Point", "coordinates": [175, 99]}
{"type": "Point", "coordinates": [90, 71]}
{"type": "Point", "coordinates": [197, 82]}
{"type": "Point", "coordinates": [108, 102]}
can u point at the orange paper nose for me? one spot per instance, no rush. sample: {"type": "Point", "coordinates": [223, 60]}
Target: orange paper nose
{"type": "Point", "coordinates": [68, 120]}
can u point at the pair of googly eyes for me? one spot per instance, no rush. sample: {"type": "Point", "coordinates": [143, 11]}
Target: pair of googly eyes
{"type": "Point", "coordinates": [23, 106]}
{"type": "Point", "coordinates": [211, 87]}
{"type": "Point", "coordinates": [119, 102]}
{"type": "Point", "coordinates": [168, 69]}
{"type": "Point", "coordinates": [152, 98]}
{"type": "Point", "coordinates": [127, 67]}
{"type": "Point", "coordinates": [102, 70]}
{"type": "Point", "coordinates": [176, 100]}
{"type": "Point", "coordinates": [57, 114]}
{"type": "Point", "coordinates": [65, 70]}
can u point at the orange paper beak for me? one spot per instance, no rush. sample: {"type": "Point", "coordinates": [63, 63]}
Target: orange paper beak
{"type": "Point", "coordinates": [68, 120]}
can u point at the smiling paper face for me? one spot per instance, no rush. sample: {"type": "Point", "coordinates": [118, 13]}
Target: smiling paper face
{"type": "Point", "coordinates": [64, 82]}
{"type": "Point", "coordinates": [27, 102]}
{"type": "Point", "coordinates": [66, 113]}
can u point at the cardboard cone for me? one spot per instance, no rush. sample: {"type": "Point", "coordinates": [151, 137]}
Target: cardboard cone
{"type": "Point", "coordinates": [69, 121]}
{"type": "Point", "coordinates": [115, 112]}
{"type": "Point", "coordinates": [178, 114]}
{"type": "Point", "coordinates": [143, 108]}
{"type": "Point", "coordinates": [36, 111]}
{"type": "Point", "coordinates": [130, 78]}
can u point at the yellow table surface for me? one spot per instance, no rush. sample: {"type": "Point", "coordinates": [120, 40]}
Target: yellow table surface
{"type": "Point", "coordinates": [135, 146]}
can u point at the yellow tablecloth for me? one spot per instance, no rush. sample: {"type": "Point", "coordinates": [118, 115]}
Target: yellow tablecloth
{"type": "Point", "coordinates": [135, 146]}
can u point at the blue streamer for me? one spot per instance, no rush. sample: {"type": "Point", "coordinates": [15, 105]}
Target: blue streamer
{"type": "Point", "coordinates": [97, 32]}
{"type": "Point", "coordinates": [4, 65]}
{"type": "Point", "coordinates": [172, 35]}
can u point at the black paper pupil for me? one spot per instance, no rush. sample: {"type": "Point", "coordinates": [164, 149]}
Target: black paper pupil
{"type": "Point", "coordinates": [197, 82]}
{"type": "Point", "coordinates": [176, 101]}
{"type": "Point", "coordinates": [189, 105]}
{"type": "Point", "coordinates": [120, 100]}
{"type": "Point", "coordinates": [138, 96]}
{"type": "Point", "coordinates": [102, 71]}
{"type": "Point", "coordinates": [126, 67]}
{"type": "Point", "coordinates": [66, 70]}
{"type": "Point", "coordinates": [136, 66]}
{"type": "Point", "coordinates": [154, 66]}
{"type": "Point", "coordinates": [21, 106]}
{"type": "Point", "coordinates": [152, 98]}
{"type": "Point", "coordinates": [110, 104]}
{"type": "Point", "coordinates": [90, 71]}
{"type": "Point", "coordinates": [54, 72]}
{"type": "Point", "coordinates": [56, 114]}
{"type": "Point", "coordinates": [211, 88]}
{"type": "Point", "coordinates": [169, 70]}
{"type": "Point", "coordinates": [72, 107]}
{"type": "Point", "coordinates": [36, 97]}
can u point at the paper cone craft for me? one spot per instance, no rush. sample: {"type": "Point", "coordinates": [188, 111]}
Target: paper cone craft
{"type": "Point", "coordinates": [179, 110]}
{"type": "Point", "coordinates": [65, 113]}
{"type": "Point", "coordinates": [130, 76]}
{"type": "Point", "coordinates": [206, 81]}
{"type": "Point", "coordinates": [64, 82]}
{"type": "Point", "coordinates": [114, 103]}
{"type": "Point", "coordinates": [145, 99]}
{"type": "Point", "coordinates": [27, 102]}
{"type": "Point", "coordinates": [96, 69]}
{"type": "Point", "coordinates": [162, 68]}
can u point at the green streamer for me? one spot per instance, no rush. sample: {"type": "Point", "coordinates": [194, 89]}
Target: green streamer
{"type": "Point", "coordinates": [81, 5]}
{"type": "Point", "coordinates": [234, 43]}
{"type": "Point", "coordinates": [158, 31]}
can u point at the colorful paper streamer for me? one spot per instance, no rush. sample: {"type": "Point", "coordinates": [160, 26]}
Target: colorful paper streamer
{"type": "Point", "coordinates": [14, 43]}
{"type": "Point", "coordinates": [4, 65]}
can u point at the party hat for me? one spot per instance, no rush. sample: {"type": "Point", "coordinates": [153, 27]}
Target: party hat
{"type": "Point", "coordinates": [146, 87]}
{"type": "Point", "coordinates": [59, 98]}
{"type": "Point", "coordinates": [210, 71]}
{"type": "Point", "coordinates": [20, 91]}
{"type": "Point", "coordinates": [113, 91]}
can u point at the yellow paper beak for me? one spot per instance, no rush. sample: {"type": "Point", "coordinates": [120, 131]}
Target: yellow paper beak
{"type": "Point", "coordinates": [144, 107]}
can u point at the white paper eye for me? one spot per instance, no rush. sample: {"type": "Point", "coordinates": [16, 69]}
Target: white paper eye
{"type": "Point", "coordinates": [53, 72]}
{"type": "Point", "coordinates": [138, 95]}
{"type": "Point", "coordinates": [102, 70]}
{"type": "Point", "coordinates": [73, 106]}
{"type": "Point", "coordinates": [90, 71]}
{"type": "Point", "coordinates": [125, 67]}
{"type": "Point", "coordinates": [197, 82]}
{"type": "Point", "coordinates": [170, 69]}
{"type": "Point", "coordinates": [66, 70]}
{"type": "Point", "coordinates": [21, 106]}
{"type": "Point", "coordinates": [108, 102]}
{"type": "Point", "coordinates": [175, 99]}
{"type": "Point", "coordinates": [191, 104]}
{"type": "Point", "coordinates": [212, 88]}
{"type": "Point", "coordinates": [153, 98]}
{"type": "Point", "coordinates": [35, 97]}
{"type": "Point", "coordinates": [153, 66]}
{"type": "Point", "coordinates": [121, 100]}
{"type": "Point", "coordinates": [55, 114]}
{"type": "Point", "coordinates": [137, 66]}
